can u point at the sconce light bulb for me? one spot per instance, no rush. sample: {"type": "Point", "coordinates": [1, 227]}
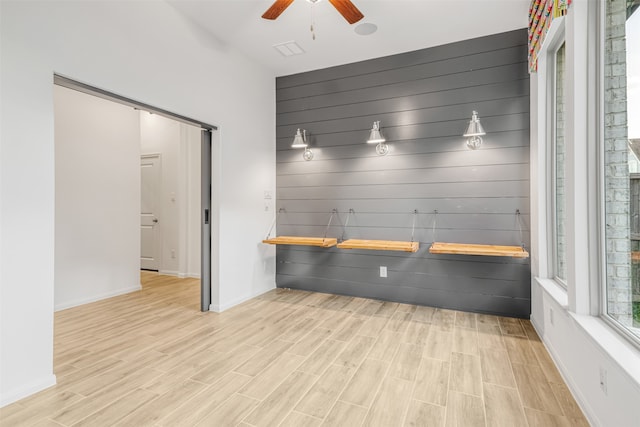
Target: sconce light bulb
{"type": "Point", "coordinates": [307, 154]}
{"type": "Point", "coordinates": [382, 149]}
{"type": "Point", "coordinates": [474, 142]}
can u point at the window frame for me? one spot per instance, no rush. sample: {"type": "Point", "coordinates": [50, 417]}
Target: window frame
{"type": "Point", "coordinates": [600, 111]}
{"type": "Point", "coordinates": [553, 130]}
{"type": "Point", "coordinates": [558, 40]}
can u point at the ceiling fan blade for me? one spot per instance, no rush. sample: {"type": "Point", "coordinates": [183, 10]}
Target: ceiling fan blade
{"type": "Point", "coordinates": [276, 9]}
{"type": "Point", "coordinates": [348, 10]}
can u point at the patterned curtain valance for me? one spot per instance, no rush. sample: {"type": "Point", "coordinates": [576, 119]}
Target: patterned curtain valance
{"type": "Point", "coordinates": [541, 13]}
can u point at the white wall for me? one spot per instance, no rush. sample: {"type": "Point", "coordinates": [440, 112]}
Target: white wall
{"type": "Point", "coordinates": [582, 346]}
{"type": "Point", "coordinates": [97, 198]}
{"type": "Point", "coordinates": [147, 52]}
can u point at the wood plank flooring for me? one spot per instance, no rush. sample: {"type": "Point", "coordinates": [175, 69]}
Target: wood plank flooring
{"type": "Point", "coordinates": [292, 358]}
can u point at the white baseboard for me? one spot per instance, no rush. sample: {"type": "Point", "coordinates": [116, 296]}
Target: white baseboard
{"type": "Point", "coordinates": [575, 391]}
{"type": "Point", "coordinates": [179, 275]}
{"type": "Point", "coordinates": [223, 307]}
{"type": "Point", "coordinates": [94, 298]}
{"type": "Point", "coordinates": [169, 273]}
{"type": "Point", "coordinates": [188, 275]}
{"type": "Point", "coordinates": [27, 390]}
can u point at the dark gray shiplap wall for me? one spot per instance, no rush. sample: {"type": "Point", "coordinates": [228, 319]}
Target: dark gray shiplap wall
{"type": "Point", "coordinates": [424, 101]}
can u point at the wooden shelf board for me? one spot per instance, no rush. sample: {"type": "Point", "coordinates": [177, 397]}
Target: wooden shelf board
{"type": "Point", "coordinates": [380, 245]}
{"type": "Point", "coordinates": [302, 241]}
{"type": "Point", "coordinates": [635, 256]}
{"type": "Point", "coordinates": [473, 249]}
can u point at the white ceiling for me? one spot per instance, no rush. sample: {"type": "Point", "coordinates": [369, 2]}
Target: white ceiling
{"type": "Point", "coordinates": [403, 25]}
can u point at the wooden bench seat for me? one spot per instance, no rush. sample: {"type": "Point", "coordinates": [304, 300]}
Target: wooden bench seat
{"type": "Point", "coordinates": [473, 249]}
{"type": "Point", "coordinates": [380, 245]}
{"type": "Point", "coordinates": [324, 242]}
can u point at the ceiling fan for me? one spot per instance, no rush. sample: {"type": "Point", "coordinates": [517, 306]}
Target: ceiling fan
{"type": "Point", "coordinates": [345, 7]}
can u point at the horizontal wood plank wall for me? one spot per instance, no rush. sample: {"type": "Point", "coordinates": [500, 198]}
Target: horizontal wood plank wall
{"type": "Point", "coordinates": [424, 101]}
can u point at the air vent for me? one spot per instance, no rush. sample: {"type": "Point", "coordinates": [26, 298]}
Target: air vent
{"type": "Point", "coordinates": [289, 48]}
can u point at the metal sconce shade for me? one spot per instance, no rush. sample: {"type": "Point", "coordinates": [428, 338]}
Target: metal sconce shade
{"type": "Point", "coordinates": [474, 131]}
{"type": "Point", "coordinates": [475, 127]}
{"type": "Point", "coordinates": [300, 141]}
{"type": "Point", "coordinates": [375, 137]}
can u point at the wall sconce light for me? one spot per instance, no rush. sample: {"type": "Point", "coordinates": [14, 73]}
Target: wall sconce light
{"type": "Point", "coordinates": [300, 141]}
{"type": "Point", "coordinates": [474, 132]}
{"type": "Point", "coordinates": [375, 137]}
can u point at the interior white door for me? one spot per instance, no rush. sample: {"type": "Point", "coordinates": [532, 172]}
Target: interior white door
{"type": "Point", "coordinates": [150, 178]}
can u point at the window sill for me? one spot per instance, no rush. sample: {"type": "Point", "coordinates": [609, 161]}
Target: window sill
{"type": "Point", "coordinates": [555, 291]}
{"type": "Point", "coordinates": [621, 351]}
{"type": "Point", "coordinates": [615, 346]}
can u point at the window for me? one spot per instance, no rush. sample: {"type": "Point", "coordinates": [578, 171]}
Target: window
{"type": "Point", "coordinates": [621, 193]}
{"type": "Point", "coordinates": [559, 215]}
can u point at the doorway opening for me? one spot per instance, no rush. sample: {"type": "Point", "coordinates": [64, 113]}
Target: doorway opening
{"type": "Point", "coordinates": [150, 206]}
{"type": "Point", "coordinates": [103, 151]}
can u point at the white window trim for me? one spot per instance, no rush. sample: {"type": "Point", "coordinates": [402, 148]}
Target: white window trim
{"type": "Point", "coordinates": [546, 163]}
{"type": "Point", "coordinates": [602, 309]}
{"type": "Point", "coordinates": [580, 162]}
{"type": "Point", "coordinates": [586, 285]}
{"type": "Point", "coordinates": [581, 149]}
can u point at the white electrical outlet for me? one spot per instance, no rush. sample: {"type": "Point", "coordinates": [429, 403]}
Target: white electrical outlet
{"type": "Point", "coordinates": [173, 253]}
{"type": "Point", "coordinates": [603, 380]}
{"type": "Point", "coordinates": [551, 315]}
{"type": "Point", "coordinates": [383, 271]}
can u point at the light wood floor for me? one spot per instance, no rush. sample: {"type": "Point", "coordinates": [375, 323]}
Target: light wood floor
{"type": "Point", "coordinates": [292, 358]}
